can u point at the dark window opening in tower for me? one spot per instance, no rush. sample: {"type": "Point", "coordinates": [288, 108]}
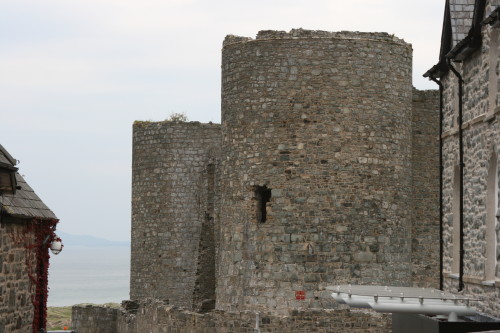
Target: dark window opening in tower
{"type": "Point", "coordinates": [262, 196]}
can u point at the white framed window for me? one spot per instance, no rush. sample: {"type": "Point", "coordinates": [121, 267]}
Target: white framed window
{"type": "Point", "coordinates": [493, 70]}
{"type": "Point", "coordinates": [455, 267]}
{"type": "Point", "coordinates": [456, 105]}
{"type": "Point", "coordinates": [491, 218]}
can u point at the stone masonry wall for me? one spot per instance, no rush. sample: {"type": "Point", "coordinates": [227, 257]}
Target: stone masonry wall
{"type": "Point", "coordinates": [94, 319]}
{"type": "Point", "coordinates": [425, 188]}
{"type": "Point", "coordinates": [158, 317]}
{"type": "Point", "coordinates": [481, 138]}
{"type": "Point", "coordinates": [16, 309]}
{"type": "Point", "coordinates": [323, 121]}
{"type": "Point", "coordinates": [174, 204]}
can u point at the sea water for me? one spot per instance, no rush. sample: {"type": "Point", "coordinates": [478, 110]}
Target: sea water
{"type": "Point", "coordinates": [89, 275]}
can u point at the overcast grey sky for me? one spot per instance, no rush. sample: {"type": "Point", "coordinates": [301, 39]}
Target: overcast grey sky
{"type": "Point", "coordinates": [75, 74]}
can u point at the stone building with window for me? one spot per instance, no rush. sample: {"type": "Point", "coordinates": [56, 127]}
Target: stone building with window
{"type": "Point", "coordinates": [27, 228]}
{"type": "Point", "coordinates": [468, 76]}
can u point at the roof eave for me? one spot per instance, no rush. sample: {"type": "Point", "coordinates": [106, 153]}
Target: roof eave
{"type": "Point", "coordinates": [467, 46]}
{"type": "Point", "coordinates": [464, 48]}
{"type": "Point", "coordinates": [437, 71]}
{"type": "Point", "coordinates": [20, 218]}
{"type": "Point", "coordinates": [493, 19]}
{"type": "Point", "coordinates": [8, 167]}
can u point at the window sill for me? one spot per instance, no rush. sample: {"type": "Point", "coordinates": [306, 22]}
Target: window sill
{"type": "Point", "coordinates": [490, 283]}
{"type": "Point", "coordinates": [484, 118]}
{"type": "Point", "coordinates": [474, 280]}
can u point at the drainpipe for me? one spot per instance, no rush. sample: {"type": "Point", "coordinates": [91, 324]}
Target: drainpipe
{"type": "Point", "coordinates": [462, 165]}
{"type": "Point", "coordinates": [441, 169]}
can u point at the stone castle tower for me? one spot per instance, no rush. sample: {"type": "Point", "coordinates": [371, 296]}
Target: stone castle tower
{"type": "Point", "coordinates": [322, 172]}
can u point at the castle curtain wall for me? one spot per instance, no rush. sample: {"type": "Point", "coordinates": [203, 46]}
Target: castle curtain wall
{"type": "Point", "coordinates": [425, 189]}
{"type": "Point", "coordinates": [322, 172]}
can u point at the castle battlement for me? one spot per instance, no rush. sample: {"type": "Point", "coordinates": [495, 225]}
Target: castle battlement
{"type": "Point", "coordinates": [269, 35]}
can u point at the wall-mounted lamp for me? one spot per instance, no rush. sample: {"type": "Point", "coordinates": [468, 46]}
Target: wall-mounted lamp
{"type": "Point", "coordinates": [56, 246]}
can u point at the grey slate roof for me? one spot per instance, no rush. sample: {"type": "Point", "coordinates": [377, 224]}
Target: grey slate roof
{"type": "Point", "coordinates": [461, 15]}
{"type": "Point", "coordinates": [4, 159]}
{"type": "Point", "coordinates": [24, 203]}
{"type": "Point", "coordinates": [461, 34]}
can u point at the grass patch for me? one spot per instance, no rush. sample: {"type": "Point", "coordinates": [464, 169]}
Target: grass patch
{"type": "Point", "coordinates": [58, 317]}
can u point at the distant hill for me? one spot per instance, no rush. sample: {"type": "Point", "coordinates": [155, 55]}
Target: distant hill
{"type": "Point", "coordinates": [88, 241]}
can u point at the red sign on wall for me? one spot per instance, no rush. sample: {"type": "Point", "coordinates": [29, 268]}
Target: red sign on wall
{"type": "Point", "coordinates": [300, 294]}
